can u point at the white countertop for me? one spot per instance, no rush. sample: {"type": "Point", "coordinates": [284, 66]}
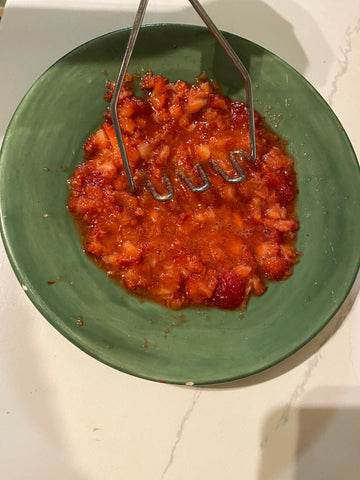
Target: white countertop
{"type": "Point", "coordinates": [64, 415]}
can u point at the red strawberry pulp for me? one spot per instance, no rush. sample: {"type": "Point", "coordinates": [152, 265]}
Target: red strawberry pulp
{"type": "Point", "coordinates": [215, 248]}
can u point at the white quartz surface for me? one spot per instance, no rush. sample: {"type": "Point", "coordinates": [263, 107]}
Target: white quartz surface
{"type": "Point", "coordinates": [64, 415]}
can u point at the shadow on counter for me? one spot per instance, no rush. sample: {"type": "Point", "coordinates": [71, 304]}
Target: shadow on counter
{"type": "Point", "coordinates": [317, 439]}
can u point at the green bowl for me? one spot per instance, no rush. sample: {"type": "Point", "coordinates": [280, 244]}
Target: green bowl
{"type": "Point", "coordinates": [42, 146]}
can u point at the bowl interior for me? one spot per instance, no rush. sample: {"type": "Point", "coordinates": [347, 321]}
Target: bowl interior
{"type": "Point", "coordinates": [42, 146]}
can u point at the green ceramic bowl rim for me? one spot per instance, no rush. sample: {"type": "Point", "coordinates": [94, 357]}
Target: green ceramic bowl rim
{"type": "Point", "coordinates": [56, 321]}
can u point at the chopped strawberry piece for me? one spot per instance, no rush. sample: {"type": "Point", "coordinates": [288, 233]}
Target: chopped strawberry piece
{"type": "Point", "coordinates": [230, 291]}
{"type": "Point", "coordinates": [197, 99]}
{"type": "Point", "coordinates": [258, 285]}
{"type": "Point", "coordinates": [200, 287]}
{"type": "Point", "coordinates": [284, 183]}
{"type": "Point", "coordinates": [242, 271]}
{"type": "Point", "coordinates": [275, 268]}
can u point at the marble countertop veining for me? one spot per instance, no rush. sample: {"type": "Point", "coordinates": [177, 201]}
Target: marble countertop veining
{"type": "Point", "coordinates": [64, 415]}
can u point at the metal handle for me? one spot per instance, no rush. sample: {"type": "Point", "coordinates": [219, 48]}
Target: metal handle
{"type": "Point", "coordinates": [123, 69]}
{"type": "Point", "coordinates": [238, 64]}
{"type": "Point", "coordinates": [120, 80]}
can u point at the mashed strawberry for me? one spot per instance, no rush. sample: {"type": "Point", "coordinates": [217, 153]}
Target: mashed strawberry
{"type": "Point", "coordinates": [214, 248]}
